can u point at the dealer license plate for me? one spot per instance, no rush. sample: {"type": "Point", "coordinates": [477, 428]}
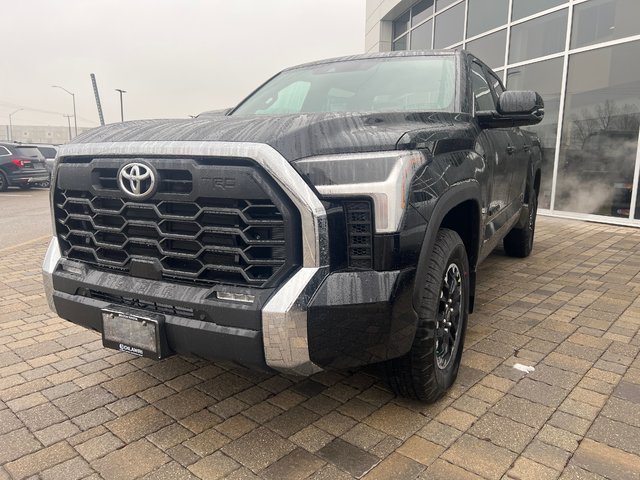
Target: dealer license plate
{"type": "Point", "coordinates": [132, 331]}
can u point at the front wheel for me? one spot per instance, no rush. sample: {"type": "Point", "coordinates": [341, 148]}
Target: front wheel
{"type": "Point", "coordinates": [4, 184]}
{"type": "Point", "coordinates": [431, 366]}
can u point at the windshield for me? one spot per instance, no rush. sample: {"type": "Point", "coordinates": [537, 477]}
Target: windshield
{"type": "Point", "coordinates": [395, 84]}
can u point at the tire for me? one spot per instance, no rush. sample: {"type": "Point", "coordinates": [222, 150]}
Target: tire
{"type": "Point", "coordinates": [519, 241]}
{"type": "Point", "coordinates": [429, 368]}
{"type": "Point", "coordinates": [4, 184]}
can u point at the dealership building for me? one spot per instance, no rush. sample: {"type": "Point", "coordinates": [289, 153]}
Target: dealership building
{"type": "Point", "coordinates": [582, 56]}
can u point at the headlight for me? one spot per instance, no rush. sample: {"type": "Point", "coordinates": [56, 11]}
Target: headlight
{"type": "Point", "coordinates": [385, 177]}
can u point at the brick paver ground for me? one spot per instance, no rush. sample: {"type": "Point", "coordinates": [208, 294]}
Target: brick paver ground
{"type": "Point", "coordinates": [70, 409]}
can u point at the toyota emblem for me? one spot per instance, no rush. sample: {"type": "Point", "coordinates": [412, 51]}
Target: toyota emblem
{"type": "Point", "coordinates": [137, 180]}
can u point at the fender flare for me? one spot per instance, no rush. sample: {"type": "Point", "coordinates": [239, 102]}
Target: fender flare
{"type": "Point", "coordinates": [453, 197]}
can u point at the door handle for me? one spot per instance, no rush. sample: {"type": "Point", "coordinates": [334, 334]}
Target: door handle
{"type": "Point", "coordinates": [511, 150]}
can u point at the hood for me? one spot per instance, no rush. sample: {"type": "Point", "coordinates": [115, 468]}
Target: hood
{"type": "Point", "coordinates": [294, 136]}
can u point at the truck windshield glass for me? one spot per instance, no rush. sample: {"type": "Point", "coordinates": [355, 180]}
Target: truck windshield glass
{"type": "Point", "coordinates": [420, 83]}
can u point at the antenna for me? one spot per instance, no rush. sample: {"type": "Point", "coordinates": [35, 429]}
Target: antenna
{"type": "Point", "coordinates": [98, 104]}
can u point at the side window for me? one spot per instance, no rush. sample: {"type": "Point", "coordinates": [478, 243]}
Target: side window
{"type": "Point", "coordinates": [482, 96]}
{"type": "Point", "coordinates": [4, 151]}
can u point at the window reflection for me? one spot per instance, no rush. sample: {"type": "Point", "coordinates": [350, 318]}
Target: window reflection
{"type": "Point", "coordinates": [546, 79]}
{"type": "Point", "coordinates": [490, 49]}
{"type": "Point", "coordinates": [440, 4]}
{"type": "Point", "coordinates": [600, 132]}
{"type": "Point", "coordinates": [401, 24]}
{"type": "Point", "coordinates": [538, 37]}
{"type": "Point", "coordinates": [449, 27]}
{"type": "Point", "coordinates": [485, 15]}
{"type": "Point", "coordinates": [401, 43]}
{"type": "Point", "coordinates": [524, 8]}
{"type": "Point", "coordinates": [603, 20]}
{"type": "Point", "coordinates": [421, 11]}
{"type": "Point", "coordinates": [421, 37]}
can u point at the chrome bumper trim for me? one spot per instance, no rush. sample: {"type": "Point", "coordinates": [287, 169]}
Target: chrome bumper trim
{"type": "Point", "coordinates": [284, 317]}
{"type": "Point", "coordinates": [51, 259]}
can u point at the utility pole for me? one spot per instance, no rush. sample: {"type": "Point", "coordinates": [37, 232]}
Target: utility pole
{"type": "Point", "coordinates": [120, 91]}
{"type": "Point", "coordinates": [73, 96]}
{"type": "Point", "coordinates": [68, 117]}
{"type": "Point", "coordinates": [11, 124]}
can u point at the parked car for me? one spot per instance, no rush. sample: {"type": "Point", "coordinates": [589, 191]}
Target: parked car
{"type": "Point", "coordinates": [335, 218]}
{"type": "Point", "coordinates": [49, 153]}
{"type": "Point", "coordinates": [22, 166]}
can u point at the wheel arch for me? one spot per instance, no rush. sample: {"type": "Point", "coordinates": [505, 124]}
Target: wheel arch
{"type": "Point", "coordinates": [458, 209]}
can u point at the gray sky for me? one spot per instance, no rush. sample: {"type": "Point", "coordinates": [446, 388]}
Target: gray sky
{"type": "Point", "coordinates": [173, 57]}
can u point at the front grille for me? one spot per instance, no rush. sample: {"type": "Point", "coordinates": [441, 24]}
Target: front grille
{"type": "Point", "coordinates": [141, 304]}
{"type": "Point", "coordinates": [179, 235]}
{"type": "Point", "coordinates": [359, 233]}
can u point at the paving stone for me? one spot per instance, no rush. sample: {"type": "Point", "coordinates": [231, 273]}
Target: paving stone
{"type": "Point", "coordinates": [133, 460]}
{"type": "Point", "coordinates": [130, 383]}
{"type": "Point", "coordinates": [137, 424]}
{"type": "Point", "coordinates": [503, 432]}
{"type": "Point", "coordinates": [207, 442]}
{"type": "Point", "coordinates": [8, 421]}
{"type": "Point", "coordinates": [395, 466]}
{"type": "Point", "coordinates": [42, 416]}
{"type": "Point", "coordinates": [73, 469]}
{"type": "Point", "coordinates": [489, 460]}
{"type": "Point", "coordinates": [214, 467]}
{"type": "Point", "coordinates": [616, 434]}
{"type": "Point", "coordinates": [628, 391]}
{"type": "Point", "coordinates": [184, 403]}
{"type": "Point", "coordinates": [292, 421]}
{"type": "Point", "coordinates": [606, 461]}
{"type": "Point", "coordinates": [348, 457]}
{"type": "Point", "coordinates": [84, 401]}
{"type": "Point", "coordinates": [525, 468]}
{"type": "Point", "coordinates": [236, 426]}
{"type": "Point", "coordinates": [421, 450]}
{"type": "Point", "coordinates": [539, 392]}
{"type": "Point", "coordinates": [183, 455]}
{"type": "Point", "coordinates": [559, 438]}
{"type": "Point", "coordinates": [297, 465]}
{"type": "Point", "coordinates": [169, 436]}
{"type": "Point", "coordinates": [312, 438]}
{"type": "Point", "coordinates": [396, 421]}
{"type": "Point", "coordinates": [439, 433]}
{"type": "Point", "coordinates": [41, 460]}
{"type": "Point", "coordinates": [523, 411]}
{"type": "Point", "coordinates": [93, 418]}
{"type": "Point", "coordinates": [99, 446]}
{"type": "Point", "coordinates": [229, 407]}
{"type": "Point", "coordinates": [456, 418]}
{"type": "Point", "coordinates": [364, 436]}
{"type": "Point", "coordinates": [335, 423]}
{"type": "Point", "coordinates": [553, 457]}
{"type": "Point", "coordinates": [258, 449]}
{"type": "Point", "coordinates": [54, 433]}
{"type": "Point", "coordinates": [16, 444]}
{"type": "Point", "coordinates": [170, 471]}
{"type": "Point", "coordinates": [200, 421]}
{"type": "Point", "coordinates": [442, 470]}
{"type": "Point", "coordinates": [569, 422]}
{"type": "Point", "coordinates": [224, 385]}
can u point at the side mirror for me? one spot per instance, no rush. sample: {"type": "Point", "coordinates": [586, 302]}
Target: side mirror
{"type": "Point", "coordinates": [515, 109]}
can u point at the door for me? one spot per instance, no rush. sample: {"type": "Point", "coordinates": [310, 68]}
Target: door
{"type": "Point", "coordinates": [499, 191]}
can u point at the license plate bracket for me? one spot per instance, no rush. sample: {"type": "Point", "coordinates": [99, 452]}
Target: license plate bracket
{"type": "Point", "coordinates": [134, 331]}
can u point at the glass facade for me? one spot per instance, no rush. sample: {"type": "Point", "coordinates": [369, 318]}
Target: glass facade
{"type": "Point", "coordinates": [591, 165]}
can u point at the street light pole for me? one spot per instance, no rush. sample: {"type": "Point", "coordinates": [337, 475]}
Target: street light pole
{"type": "Point", "coordinates": [68, 117]}
{"type": "Point", "coordinates": [120, 91]}
{"type": "Point", "coordinates": [73, 96]}
{"type": "Point", "coordinates": [11, 124]}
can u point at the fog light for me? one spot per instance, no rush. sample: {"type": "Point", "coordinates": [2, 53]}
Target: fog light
{"type": "Point", "coordinates": [235, 297]}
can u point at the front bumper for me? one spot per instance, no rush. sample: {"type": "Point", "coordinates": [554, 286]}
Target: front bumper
{"type": "Point", "coordinates": [313, 321]}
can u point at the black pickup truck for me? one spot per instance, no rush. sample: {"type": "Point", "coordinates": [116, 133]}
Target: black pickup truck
{"type": "Point", "coordinates": [335, 218]}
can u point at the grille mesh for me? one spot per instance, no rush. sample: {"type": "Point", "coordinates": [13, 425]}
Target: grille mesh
{"type": "Point", "coordinates": [202, 240]}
